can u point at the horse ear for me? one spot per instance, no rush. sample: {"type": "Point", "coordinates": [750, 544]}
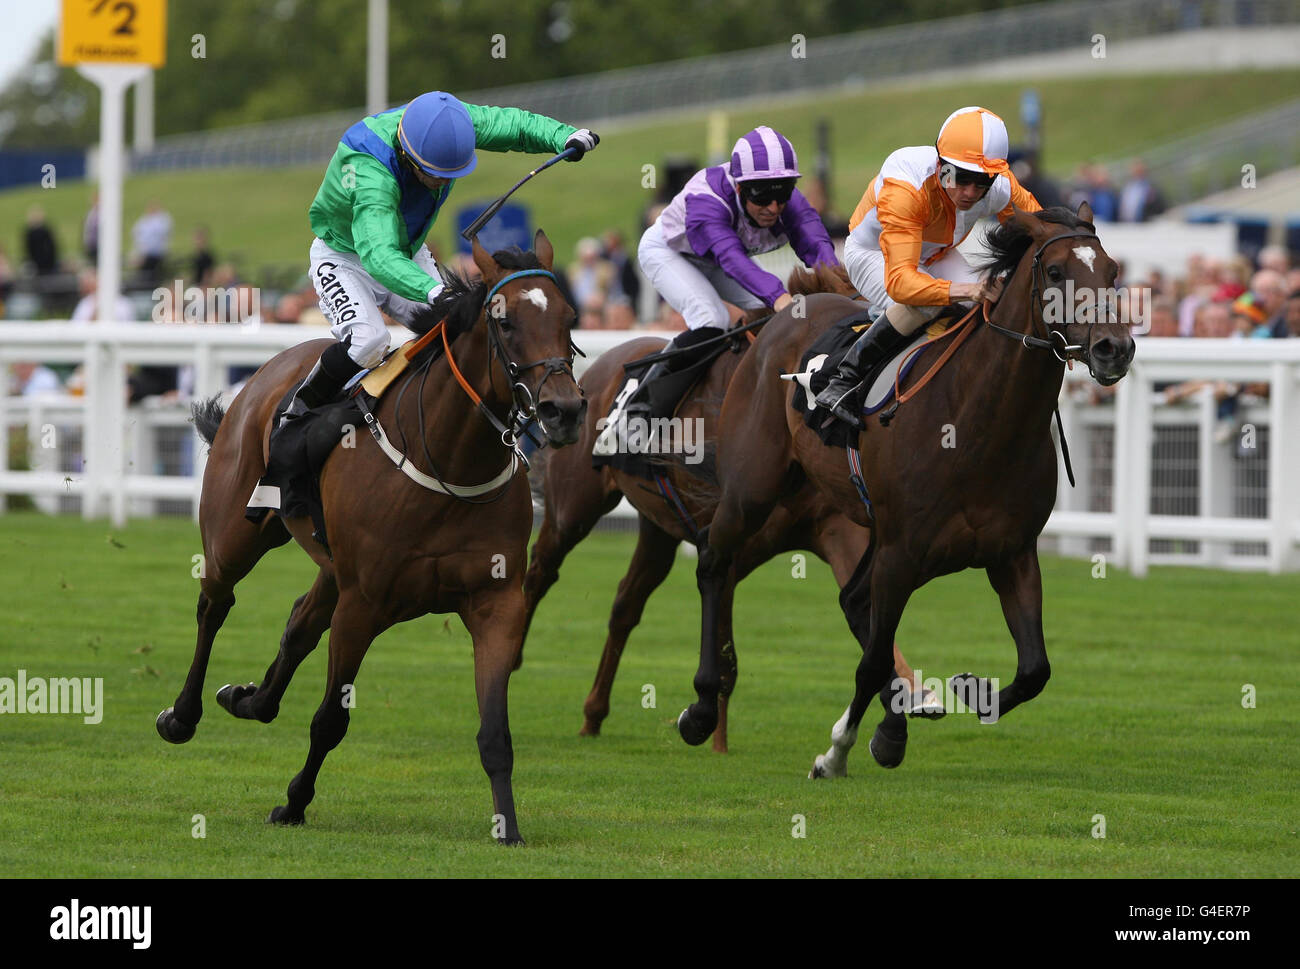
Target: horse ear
{"type": "Point", "coordinates": [1085, 212]}
{"type": "Point", "coordinates": [1027, 221]}
{"type": "Point", "coordinates": [542, 247]}
{"type": "Point", "coordinates": [487, 266]}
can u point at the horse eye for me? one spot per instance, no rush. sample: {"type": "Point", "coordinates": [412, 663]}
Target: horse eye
{"type": "Point", "coordinates": [1054, 274]}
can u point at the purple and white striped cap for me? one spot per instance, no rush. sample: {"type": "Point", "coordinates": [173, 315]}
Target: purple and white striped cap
{"type": "Point", "coordinates": [763, 153]}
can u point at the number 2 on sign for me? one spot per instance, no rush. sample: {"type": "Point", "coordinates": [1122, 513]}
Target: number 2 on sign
{"type": "Point", "coordinates": [122, 6]}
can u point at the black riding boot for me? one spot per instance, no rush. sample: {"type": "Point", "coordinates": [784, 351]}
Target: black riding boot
{"type": "Point", "coordinates": [334, 369]}
{"type": "Point", "coordinates": [640, 402]}
{"type": "Point", "coordinates": [840, 396]}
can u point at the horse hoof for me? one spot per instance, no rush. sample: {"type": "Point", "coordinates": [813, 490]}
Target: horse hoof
{"type": "Point", "coordinates": [927, 706]}
{"type": "Point", "coordinates": [229, 696]}
{"type": "Point", "coordinates": [172, 729]}
{"type": "Point", "coordinates": [516, 842]}
{"type": "Point", "coordinates": [283, 816]}
{"type": "Point", "coordinates": [887, 751]}
{"type": "Point", "coordinates": [693, 732]}
{"type": "Point", "coordinates": [977, 694]}
{"type": "Point", "coordinates": [819, 771]}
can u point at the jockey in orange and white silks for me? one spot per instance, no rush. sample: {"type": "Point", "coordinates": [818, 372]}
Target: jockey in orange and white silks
{"type": "Point", "coordinates": [901, 252]}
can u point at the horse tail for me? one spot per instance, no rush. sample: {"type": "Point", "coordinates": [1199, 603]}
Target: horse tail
{"type": "Point", "coordinates": [207, 415]}
{"type": "Point", "coordinates": [820, 279]}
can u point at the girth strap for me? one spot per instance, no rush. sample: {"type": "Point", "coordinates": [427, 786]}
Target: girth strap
{"type": "Point", "coordinates": [423, 480]}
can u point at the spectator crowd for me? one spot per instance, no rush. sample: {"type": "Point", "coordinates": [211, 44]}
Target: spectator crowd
{"type": "Point", "coordinates": [1233, 298]}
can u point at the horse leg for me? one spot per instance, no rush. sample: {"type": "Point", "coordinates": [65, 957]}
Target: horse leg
{"type": "Point", "coordinates": [736, 518]}
{"type": "Point", "coordinates": [873, 601]}
{"type": "Point", "coordinates": [1019, 585]}
{"type": "Point", "coordinates": [495, 621]}
{"type": "Point", "coordinates": [651, 563]}
{"type": "Point", "coordinates": [353, 628]}
{"type": "Point", "coordinates": [308, 620]}
{"type": "Point", "coordinates": [571, 513]}
{"type": "Point", "coordinates": [730, 666]}
{"type": "Point", "coordinates": [227, 559]}
{"type": "Point", "coordinates": [842, 544]}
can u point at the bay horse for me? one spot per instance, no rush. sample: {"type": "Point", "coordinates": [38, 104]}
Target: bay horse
{"type": "Point", "coordinates": [938, 508]}
{"type": "Point", "coordinates": [401, 549]}
{"type": "Point", "coordinates": [577, 495]}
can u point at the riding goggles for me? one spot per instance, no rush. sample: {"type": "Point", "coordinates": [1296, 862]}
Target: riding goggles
{"type": "Point", "coordinates": [981, 179]}
{"type": "Point", "coordinates": [765, 193]}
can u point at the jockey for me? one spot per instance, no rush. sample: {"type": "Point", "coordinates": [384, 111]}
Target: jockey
{"type": "Point", "coordinates": [901, 252]}
{"type": "Point", "coordinates": [389, 177]}
{"type": "Point", "coordinates": [697, 253]}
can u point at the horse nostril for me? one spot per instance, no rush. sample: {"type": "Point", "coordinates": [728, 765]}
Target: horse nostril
{"type": "Point", "coordinates": [564, 411]}
{"type": "Point", "coordinates": [1105, 349]}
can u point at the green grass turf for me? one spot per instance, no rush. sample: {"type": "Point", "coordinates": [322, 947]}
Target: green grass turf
{"type": "Point", "coordinates": [259, 216]}
{"type": "Point", "coordinates": [1142, 722]}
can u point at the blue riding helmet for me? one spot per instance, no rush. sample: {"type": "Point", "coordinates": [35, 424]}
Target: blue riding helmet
{"type": "Point", "coordinates": [438, 136]}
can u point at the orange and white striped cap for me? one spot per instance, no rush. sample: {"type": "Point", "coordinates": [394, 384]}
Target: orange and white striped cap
{"type": "Point", "coordinates": [974, 139]}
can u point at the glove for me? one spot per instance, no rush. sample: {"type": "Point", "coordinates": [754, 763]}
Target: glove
{"type": "Point", "coordinates": [583, 140]}
{"type": "Point", "coordinates": [436, 292]}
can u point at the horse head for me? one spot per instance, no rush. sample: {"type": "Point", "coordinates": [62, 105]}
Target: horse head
{"type": "Point", "coordinates": [1070, 281]}
{"type": "Point", "coordinates": [529, 322]}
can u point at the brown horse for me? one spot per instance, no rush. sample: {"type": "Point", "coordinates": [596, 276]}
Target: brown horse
{"type": "Point", "coordinates": [964, 476]}
{"type": "Point", "coordinates": [578, 495]}
{"type": "Point", "coordinates": [400, 550]}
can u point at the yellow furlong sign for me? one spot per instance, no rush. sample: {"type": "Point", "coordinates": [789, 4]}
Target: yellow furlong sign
{"type": "Point", "coordinates": [113, 32]}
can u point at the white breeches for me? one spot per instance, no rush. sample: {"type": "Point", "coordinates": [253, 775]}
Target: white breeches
{"type": "Point", "coordinates": [351, 300]}
{"type": "Point", "coordinates": [692, 286]}
{"type": "Point", "coordinates": [866, 267]}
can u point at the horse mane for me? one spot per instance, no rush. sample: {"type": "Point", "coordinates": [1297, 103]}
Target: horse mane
{"type": "Point", "coordinates": [822, 278]}
{"type": "Point", "coordinates": [461, 299]}
{"type": "Point", "coordinates": [1009, 241]}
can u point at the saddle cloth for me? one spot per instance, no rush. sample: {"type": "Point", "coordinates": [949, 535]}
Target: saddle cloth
{"type": "Point", "coordinates": [291, 484]}
{"type": "Point", "coordinates": [638, 445]}
{"type": "Point", "coordinates": [820, 361]}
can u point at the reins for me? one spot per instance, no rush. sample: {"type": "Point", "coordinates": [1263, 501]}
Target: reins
{"type": "Point", "coordinates": [1056, 342]}
{"type": "Point", "coordinates": [902, 397]}
{"type": "Point", "coordinates": [523, 409]}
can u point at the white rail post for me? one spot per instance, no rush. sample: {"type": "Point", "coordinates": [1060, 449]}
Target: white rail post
{"type": "Point", "coordinates": [1283, 466]}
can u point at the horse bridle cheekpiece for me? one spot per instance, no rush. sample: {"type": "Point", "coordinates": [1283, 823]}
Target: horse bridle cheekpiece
{"type": "Point", "coordinates": [1056, 340]}
{"type": "Point", "coordinates": [524, 409]}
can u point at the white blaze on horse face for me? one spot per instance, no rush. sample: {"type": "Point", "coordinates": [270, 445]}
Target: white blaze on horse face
{"type": "Point", "coordinates": [538, 298]}
{"type": "Point", "coordinates": [1085, 255]}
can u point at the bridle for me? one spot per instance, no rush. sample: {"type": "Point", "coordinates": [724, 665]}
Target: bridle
{"type": "Point", "coordinates": [523, 409]}
{"type": "Point", "coordinates": [1056, 340]}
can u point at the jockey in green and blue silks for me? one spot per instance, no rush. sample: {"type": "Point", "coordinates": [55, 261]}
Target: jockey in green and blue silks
{"type": "Point", "coordinates": [383, 189]}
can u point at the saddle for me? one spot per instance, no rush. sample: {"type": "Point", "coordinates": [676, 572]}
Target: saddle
{"type": "Point", "coordinates": [624, 444]}
{"type": "Point", "coordinates": [821, 360]}
{"type": "Point", "coordinates": [299, 449]}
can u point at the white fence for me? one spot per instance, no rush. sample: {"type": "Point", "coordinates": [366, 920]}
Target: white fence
{"type": "Point", "coordinates": [1157, 483]}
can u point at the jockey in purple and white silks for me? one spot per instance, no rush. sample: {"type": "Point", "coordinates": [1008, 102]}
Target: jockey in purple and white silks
{"type": "Point", "coordinates": [697, 253]}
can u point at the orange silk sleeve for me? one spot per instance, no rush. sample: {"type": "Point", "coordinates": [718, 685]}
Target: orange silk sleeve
{"type": "Point", "coordinates": [903, 214]}
{"type": "Point", "coordinates": [1021, 198]}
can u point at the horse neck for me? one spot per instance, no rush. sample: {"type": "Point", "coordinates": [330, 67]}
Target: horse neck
{"type": "Point", "coordinates": [1018, 383]}
{"type": "Point", "coordinates": [465, 445]}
